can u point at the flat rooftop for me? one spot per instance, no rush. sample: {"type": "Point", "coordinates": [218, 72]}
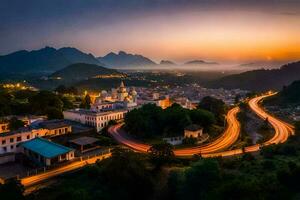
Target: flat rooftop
{"type": "Point", "coordinates": [45, 147]}
{"type": "Point", "coordinates": [84, 140]}
{"type": "Point", "coordinates": [94, 112]}
{"type": "Point", "coordinates": [53, 124]}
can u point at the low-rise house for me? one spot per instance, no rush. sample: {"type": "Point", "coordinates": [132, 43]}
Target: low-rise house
{"type": "Point", "coordinates": [45, 152]}
{"type": "Point", "coordinates": [193, 130]}
{"type": "Point", "coordinates": [9, 141]}
{"type": "Point", "coordinates": [55, 127]}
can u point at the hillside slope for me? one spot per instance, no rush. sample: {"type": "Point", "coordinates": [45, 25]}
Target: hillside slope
{"type": "Point", "coordinates": [81, 71]}
{"type": "Point", "coordinates": [123, 59]}
{"type": "Point", "coordinates": [46, 60]}
{"type": "Point", "coordinates": [260, 80]}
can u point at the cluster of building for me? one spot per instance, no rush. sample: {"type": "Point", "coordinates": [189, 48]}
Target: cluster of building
{"type": "Point", "coordinates": [189, 95]}
{"type": "Point", "coordinates": [113, 105]}
{"type": "Point", "coordinates": [105, 107]}
{"type": "Point", "coordinates": [13, 141]}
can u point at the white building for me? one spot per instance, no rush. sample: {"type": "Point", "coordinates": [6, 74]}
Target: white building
{"type": "Point", "coordinates": [9, 141]}
{"type": "Point", "coordinates": [95, 118]}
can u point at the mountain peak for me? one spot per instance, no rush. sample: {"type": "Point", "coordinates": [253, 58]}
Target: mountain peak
{"type": "Point", "coordinates": [199, 62]}
{"type": "Point", "coordinates": [47, 59]}
{"type": "Point", "coordinates": [123, 59]}
{"type": "Point", "coordinates": [166, 62]}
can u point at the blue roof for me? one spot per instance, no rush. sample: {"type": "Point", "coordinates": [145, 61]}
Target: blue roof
{"type": "Point", "coordinates": [45, 148]}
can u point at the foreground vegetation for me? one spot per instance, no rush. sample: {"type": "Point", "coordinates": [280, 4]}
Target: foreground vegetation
{"type": "Point", "coordinates": [272, 174]}
{"type": "Point", "coordinates": [23, 102]}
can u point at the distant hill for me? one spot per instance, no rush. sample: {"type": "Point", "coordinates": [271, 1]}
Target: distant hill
{"type": "Point", "coordinates": [289, 95]}
{"type": "Point", "coordinates": [166, 62]}
{"type": "Point", "coordinates": [46, 60]}
{"type": "Point", "coordinates": [123, 59]}
{"type": "Point", "coordinates": [82, 71]}
{"type": "Point", "coordinates": [200, 62]}
{"type": "Point", "coordinates": [260, 80]}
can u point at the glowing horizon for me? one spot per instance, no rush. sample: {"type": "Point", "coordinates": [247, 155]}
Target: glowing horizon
{"type": "Point", "coordinates": [180, 31]}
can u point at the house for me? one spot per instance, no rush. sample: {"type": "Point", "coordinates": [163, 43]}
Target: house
{"type": "Point", "coordinates": [45, 152]}
{"type": "Point", "coordinates": [193, 130]}
{"type": "Point", "coordinates": [55, 127]}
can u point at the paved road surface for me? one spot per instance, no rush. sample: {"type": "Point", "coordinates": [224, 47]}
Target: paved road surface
{"type": "Point", "coordinates": [214, 149]}
{"type": "Point", "coordinates": [229, 137]}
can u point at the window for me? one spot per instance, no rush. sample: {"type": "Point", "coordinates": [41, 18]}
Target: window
{"type": "Point", "coordinates": [3, 141]}
{"type": "Point", "coordinates": [28, 137]}
{"type": "Point", "coordinates": [19, 139]}
{"type": "Point", "coordinates": [4, 149]}
{"type": "Point", "coordinates": [66, 130]}
{"type": "Point", "coordinates": [11, 140]}
{"type": "Point", "coordinates": [12, 147]}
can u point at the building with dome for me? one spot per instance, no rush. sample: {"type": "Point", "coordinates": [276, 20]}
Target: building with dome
{"type": "Point", "coordinates": [106, 107]}
{"type": "Point", "coordinates": [122, 92]}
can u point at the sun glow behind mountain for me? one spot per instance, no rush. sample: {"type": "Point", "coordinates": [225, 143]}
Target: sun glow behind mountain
{"type": "Point", "coordinates": [222, 31]}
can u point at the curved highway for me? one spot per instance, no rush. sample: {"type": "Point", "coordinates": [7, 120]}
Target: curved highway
{"type": "Point", "coordinates": [214, 149]}
{"type": "Point", "coordinates": [229, 137]}
{"type": "Point", "coordinates": [282, 129]}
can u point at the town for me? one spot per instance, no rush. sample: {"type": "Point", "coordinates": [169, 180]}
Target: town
{"type": "Point", "coordinates": [154, 100]}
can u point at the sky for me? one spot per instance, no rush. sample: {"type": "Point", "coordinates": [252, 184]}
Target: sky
{"type": "Point", "coordinates": [177, 30]}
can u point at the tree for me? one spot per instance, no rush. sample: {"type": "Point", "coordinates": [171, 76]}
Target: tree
{"type": "Point", "coordinates": [125, 176]}
{"type": "Point", "coordinates": [54, 113]}
{"type": "Point", "coordinates": [86, 102]}
{"type": "Point", "coordinates": [175, 119]}
{"type": "Point", "coordinates": [161, 153]}
{"type": "Point", "coordinates": [66, 90]}
{"type": "Point", "coordinates": [200, 178]}
{"type": "Point", "coordinates": [297, 127]}
{"type": "Point", "coordinates": [12, 189]}
{"type": "Point", "coordinates": [44, 100]}
{"type": "Point", "coordinates": [216, 106]}
{"type": "Point", "coordinates": [15, 123]}
{"type": "Point", "coordinates": [67, 104]}
{"type": "Point", "coordinates": [202, 117]}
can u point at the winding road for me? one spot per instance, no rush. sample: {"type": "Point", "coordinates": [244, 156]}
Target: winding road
{"type": "Point", "coordinates": [217, 148]}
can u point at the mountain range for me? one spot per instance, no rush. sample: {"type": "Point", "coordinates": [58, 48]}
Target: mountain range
{"type": "Point", "coordinates": [260, 80]}
{"type": "Point", "coordinates": [167, 62]}
{"type": "Point", "coordinates": [123, 59]}
{"type": "Point", "coordinates": [46, 60]}
{"type": "Point", "coordinates": [200, 62]}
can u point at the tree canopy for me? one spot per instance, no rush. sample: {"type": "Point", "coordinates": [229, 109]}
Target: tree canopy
{"type": "Point", "coordinates": [151, 120]}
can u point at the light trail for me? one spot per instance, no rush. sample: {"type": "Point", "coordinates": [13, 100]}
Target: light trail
{"type": "Point", "coordinates": [229, 137]}
{"type": "Point", "coordinates": [214, 149]}
{"type": "Point", "coordinates": [31, 180]}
